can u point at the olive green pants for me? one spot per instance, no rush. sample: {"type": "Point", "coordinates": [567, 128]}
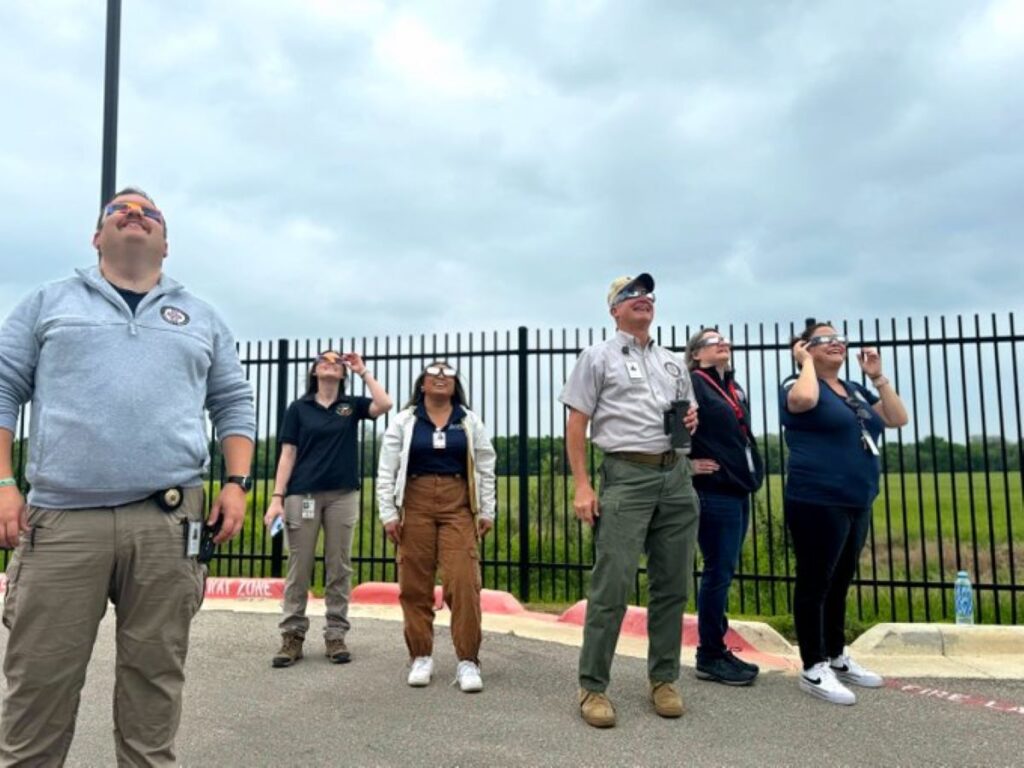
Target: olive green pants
{"type": "Point", "coordinates": [643, 509]}
{"type": "Point", "coordinates": [59, 581]}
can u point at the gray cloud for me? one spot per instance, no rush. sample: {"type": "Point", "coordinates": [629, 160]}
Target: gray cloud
{"type": "Point", "coordinates": [384, 168]}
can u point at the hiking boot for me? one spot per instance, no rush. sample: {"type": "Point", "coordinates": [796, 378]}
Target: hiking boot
{"type": "Point", "coordinates": [291, 650]}
{"type": "Point", "coordinates": [666, 699]}
{"type": "Point", "coordinates": [740, 662]}
{"type": "Point", "coordinates": [421, 672]}
{"type": "Point", "coordinates": [852, 673]}
{"type": "Point", "coordinates": [596, 709]}
{"type": "Point", "coordinates": [821, 681]}
{"type": "Point", "coordinates": [337, 651]}
{"type": "Point", "coordinates": [468, 677]}
{"type": "Point", "coordinates": [723, 670]}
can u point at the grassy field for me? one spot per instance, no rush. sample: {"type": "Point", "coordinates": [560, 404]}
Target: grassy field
{"type": "Point", "coordinates": [923, 531]}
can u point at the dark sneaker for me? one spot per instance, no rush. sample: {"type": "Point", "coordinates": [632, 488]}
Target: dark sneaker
{"type": "Point", "coordinates": [291, 650]}
{"type": "Point", "coordinates": [737, 661]}
{"type": "Point", "coordinates": [337, 652]}
{"type": "Point", "coordinates": [721, 670]}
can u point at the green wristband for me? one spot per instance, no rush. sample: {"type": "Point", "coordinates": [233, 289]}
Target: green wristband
{"type": "Point", "coordinates": [6, 481]}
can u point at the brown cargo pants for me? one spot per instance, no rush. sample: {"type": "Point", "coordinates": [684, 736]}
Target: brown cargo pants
{"type": "Point", "coordinates": [438, 529]}
{"type": "Point", "coordinates": [59, 580]}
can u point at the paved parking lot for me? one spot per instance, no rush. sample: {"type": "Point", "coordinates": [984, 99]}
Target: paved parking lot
{"type": "Point", "coordinates": [239, 711]}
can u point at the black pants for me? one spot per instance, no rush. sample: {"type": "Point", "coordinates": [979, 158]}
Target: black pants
{"type": "Point", "coordinates": [827, 541]}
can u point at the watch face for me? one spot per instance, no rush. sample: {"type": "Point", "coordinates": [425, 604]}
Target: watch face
{"type": "Point", "coordinates": [243, 480]}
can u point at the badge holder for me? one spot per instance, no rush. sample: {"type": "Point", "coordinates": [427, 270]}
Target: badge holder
{"type": "Point", "coordinates": [308, 507]}
{"type": "Point", "coordinates": [440, 440]}
{"type": "Point", "coordinates": [868, 442]}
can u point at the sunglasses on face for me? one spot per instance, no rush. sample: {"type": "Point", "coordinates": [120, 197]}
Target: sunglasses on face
{"type": "Point", "coordinates": [835, 338]}
{"type": "Point", "coordinates": [712, 341]}
{"type": "Point", "coordinates": [144, 210]}
{"type": "Point", "coordinates": [329, 357]}
{"type": "Point", "coordinates": [632, 293]}
{"type": "Point", "coordinates": [861, 411]}
{"type": "Point", "coordinates": [441, 370]}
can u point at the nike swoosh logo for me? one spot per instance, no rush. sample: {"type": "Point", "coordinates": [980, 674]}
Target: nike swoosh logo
{"type": "Point", "coordinates": [812, 680]}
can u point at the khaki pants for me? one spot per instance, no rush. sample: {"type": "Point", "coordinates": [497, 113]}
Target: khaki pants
{"type": "Point", "coordinates": [336, 512]}
{"type": "Point", "coordinates": [59, 580]}
{"type": "Point", "coordinates": [650, 510]}
{"type": "Point", "coordinates": [438, 530]}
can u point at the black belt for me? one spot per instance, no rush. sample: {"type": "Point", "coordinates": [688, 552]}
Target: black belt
{"type": "Point", "coordinates": [663, 460]}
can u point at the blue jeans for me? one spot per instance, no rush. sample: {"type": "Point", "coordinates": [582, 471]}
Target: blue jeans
{"type": "Point", "coordinates": [723, 526]}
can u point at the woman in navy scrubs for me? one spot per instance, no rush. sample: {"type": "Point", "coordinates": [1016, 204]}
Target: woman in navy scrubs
{"type": "Point", "coordinates": [726, 470]}
{"type": "Point", "coordinates": [832, 429]}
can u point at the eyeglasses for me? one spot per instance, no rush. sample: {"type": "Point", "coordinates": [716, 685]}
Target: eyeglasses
{"type": "Point", "coordinates": [441, 370]}
{"type": "Point", "coordinates": [712, 341]}
{"type": "Point", "coordinates": [144, 210]}
{"type": "Point", "coordinates": [634, 292]}
{"type": "Point", "coordinates": [835, 338]}
{"type": "Point", "coordinates": [329, 357]}
{"type": "Point", "coordinates": [859, 409]}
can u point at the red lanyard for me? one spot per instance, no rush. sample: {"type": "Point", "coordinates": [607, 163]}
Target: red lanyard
{"type": "Point", "coordinates": [733, 401]}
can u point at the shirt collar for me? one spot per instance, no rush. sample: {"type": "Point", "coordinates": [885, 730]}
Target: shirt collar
{"type": "Point", "coordinates": [457, 415]}
{"type": "Point", "coordinates": [629, 340]}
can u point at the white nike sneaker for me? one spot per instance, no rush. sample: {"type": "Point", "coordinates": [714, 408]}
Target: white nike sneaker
{"type": "Point", "coordinates": [821, 681]}
{"type": "Point", "coordinates": [852, 673]}
{"type": "Point", "coordinates": [468, 677]}
{"type": "Point", "coordinates": [421, 672]}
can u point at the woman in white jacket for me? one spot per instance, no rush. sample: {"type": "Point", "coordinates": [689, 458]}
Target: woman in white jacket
{"type": "Point", "coordinates": [435, 491]}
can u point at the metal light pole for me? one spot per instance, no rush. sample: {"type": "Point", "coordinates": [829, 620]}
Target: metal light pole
{"type": "Point", "coordinates": [110, 89]}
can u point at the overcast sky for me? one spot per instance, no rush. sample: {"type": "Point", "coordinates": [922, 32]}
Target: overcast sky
{"type": "Point", "coordinates": [349, 168]}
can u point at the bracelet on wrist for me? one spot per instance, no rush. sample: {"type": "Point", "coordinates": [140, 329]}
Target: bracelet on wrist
{"type": "Point", "coordinates": [879, 381]}
{"type": "Point", "coordinates": [7, 481]}
{"type": "Point", "coordinates": [277, 495]}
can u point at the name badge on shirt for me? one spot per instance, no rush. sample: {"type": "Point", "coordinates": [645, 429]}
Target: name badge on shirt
{"type": "Point", "coordinates": [440, 440]}
{"type": "Point", "coordinates": [750, 460]}
{"type": "Point", "coordinates": [308, 508]}
{"type": "Point", "coordinates": [634, 371]}
{"type": "Point", "coordinates": [868, 442]}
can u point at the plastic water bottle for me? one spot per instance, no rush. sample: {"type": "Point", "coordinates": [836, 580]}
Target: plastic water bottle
{"type": "Point", "coordinates": [963, 598]}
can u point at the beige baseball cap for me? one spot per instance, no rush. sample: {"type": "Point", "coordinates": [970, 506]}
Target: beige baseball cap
{"type": "Point", "coordinates": [619, 284]}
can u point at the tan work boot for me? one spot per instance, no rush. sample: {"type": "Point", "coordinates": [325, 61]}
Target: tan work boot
{"type": "Point", "coordinates": [666, 699]}
{"type": "Point", "coordinates": [337, 651]}
{"type": "Point", "coordinates": [596, 709]}
{"type": "Point", "coordinates": [291, 650]}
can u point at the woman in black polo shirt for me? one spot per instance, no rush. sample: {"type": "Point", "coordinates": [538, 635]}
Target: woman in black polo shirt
{"type": "Point", "coordinates": [317, 486]}
{"type": "Point", "coordinates": [727, 468]}
{"type": "Point", "coordinates": [832, 429]}
{"type": "Point", "coordinates": [435, 490]}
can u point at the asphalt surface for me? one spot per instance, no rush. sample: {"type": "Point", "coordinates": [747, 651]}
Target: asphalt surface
{"type": "Point", "coordinates": [240, 711]}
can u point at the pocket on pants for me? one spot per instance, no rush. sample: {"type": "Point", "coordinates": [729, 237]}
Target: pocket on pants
{"type": "Point", "coordinates": [10, 596]}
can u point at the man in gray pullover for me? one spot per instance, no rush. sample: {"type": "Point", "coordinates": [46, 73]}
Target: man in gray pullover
{"type": "Point", "coordinates": [119, 364]}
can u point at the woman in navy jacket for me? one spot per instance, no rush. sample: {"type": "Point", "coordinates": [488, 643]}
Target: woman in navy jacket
{"type": "Point", "coordinates": [727, 469]}
{"type": "Point", "coordinates": [832, 429]}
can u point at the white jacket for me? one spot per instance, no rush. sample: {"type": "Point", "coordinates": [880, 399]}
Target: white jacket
{"type": "Point", "coordinates": [394, 463]}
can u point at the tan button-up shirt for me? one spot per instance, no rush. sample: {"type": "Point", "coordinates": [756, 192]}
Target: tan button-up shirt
{"type": "Point", "coordinates": [625, 390]}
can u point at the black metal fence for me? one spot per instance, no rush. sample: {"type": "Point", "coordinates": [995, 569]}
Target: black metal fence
{"type": "Point", "coordinates": [951, 485]}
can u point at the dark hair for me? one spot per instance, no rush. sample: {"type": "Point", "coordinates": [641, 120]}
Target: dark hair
{"type": "Point", "coordinates": [691, 346]}
{"type": "Point", "coordinates": [810, 326]}
{"type": "Point", "coordinates": [458, 397]}
{"type": "Point", "coordinates": [126, 191]}
{"type": "Point", "coordinates": [312, 385]}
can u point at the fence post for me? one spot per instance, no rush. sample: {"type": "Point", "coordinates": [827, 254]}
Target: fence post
{"type": "Point", "coordinates": [277, 543]}
{"type": "Point", "coordinates": [524, 468]}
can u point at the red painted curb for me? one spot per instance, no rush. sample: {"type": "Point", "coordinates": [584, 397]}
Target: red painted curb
{"type": "Point", "coordinates": [386, 593]}
{"type": "Point", "coordinates": [241, 589]}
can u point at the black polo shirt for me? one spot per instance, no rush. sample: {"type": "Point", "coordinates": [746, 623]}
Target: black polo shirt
{"type": "Point", "coordinates": [425, 458]}
{"type": "Point", "coordinates": [723, 437]}
{"type": "Point", "coordinates": [326, 441]}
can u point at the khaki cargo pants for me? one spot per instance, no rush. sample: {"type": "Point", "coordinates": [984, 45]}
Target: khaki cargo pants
{"type": "Point", "coordinates": [59, 580]}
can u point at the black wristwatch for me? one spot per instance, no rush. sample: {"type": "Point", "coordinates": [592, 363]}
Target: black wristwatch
{"type": "Point", "coordinates": [243, 480]}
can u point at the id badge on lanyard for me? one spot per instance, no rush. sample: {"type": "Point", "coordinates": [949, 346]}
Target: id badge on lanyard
{"type": "Point", "coordinates": [308, 508]}
{"type": "Point", "coordinates": [634, 371]}
{"type": "Point", "coordinates": [440, 440]}
{"type": "Point", "coordinates": [868, 442]}
{"type": "Point", "coordinates": [750, 458]}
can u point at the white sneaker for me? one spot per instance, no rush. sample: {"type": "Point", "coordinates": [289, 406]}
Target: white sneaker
{"type": "Point", "coordinates": [468, 677]}
{"type": "Point", "coordinates": [821, 681]}
{"type": "Point", "coordinates": [421, 672]}
{"type": "Point", "coordinates": [852, 673]}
